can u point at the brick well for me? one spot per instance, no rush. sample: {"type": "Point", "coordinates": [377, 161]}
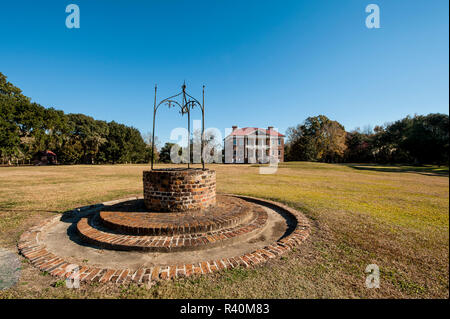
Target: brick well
{"type": "Point", "coordinates": [178, 190]}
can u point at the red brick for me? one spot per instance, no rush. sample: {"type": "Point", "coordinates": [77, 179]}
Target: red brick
{"type": "Point", "coordinates": [107, 276]}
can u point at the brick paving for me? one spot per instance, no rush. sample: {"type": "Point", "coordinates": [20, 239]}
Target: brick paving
{"type": "Point", "coordinates": [32, 248]}
{"type": "Point", "coordinates": [88, 229]}
{"type": "Point", "coordinates": [132, 218]}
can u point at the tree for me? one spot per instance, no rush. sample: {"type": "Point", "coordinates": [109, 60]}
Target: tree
{"type": "Point", "coordinates": [148, 150]}
{"type": "Point", "coordinates": [164, 154]}
{"type": "Point", "coordinates": [426, 138]}
{"type": "Point", "coordinates": [359, 147]}
{"type": "Point", "coordinates": [11, 98]}
{"type": "Point", "coordinates": [28, 128]}
{"type": "Point", "coordinates": [317, 139]}
{"type": "Point", "coordinates": [333, 142]}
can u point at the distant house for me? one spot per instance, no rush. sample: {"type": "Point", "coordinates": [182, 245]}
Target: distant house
{"type": "Point", "coordinates": [45, 158]}
{"type": "Point", "coordinates": [253, 145]}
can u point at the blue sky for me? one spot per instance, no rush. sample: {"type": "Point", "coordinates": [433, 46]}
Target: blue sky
{"type": "Point", "coordinates": [263, 62]}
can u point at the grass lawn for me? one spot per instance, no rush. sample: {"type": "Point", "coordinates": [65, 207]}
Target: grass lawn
{"type": "Point", "coordinates": [394, 216]}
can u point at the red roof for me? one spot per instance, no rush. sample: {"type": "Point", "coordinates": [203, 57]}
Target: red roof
{"type": "Point", "coordinates": [250, 130]}
{"type": "Point", "coordinates": [50, 152]}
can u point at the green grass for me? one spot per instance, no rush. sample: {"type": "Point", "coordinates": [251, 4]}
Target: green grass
{"type": "Point", "coordinates": [394, 216]}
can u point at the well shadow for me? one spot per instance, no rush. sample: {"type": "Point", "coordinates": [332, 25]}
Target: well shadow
{"type": "Point", "coordinates": [423, 170]}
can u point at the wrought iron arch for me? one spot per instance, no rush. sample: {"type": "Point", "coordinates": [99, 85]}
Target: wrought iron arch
{"type": "Point", "coordinates": [187, 103]}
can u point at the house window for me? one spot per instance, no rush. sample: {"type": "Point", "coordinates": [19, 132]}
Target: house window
{"type": "Point", "coordinates": [279, 153]}
{"type": "Point", "coordinates": [234, 141]}
{"type": "Point", "coordinates": [279, 141]}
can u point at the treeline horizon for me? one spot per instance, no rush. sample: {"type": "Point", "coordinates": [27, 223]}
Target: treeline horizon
{"type": "Point", "coordinates": [27, 128]}
{"type": "Point", "coordinates": [417, 140]}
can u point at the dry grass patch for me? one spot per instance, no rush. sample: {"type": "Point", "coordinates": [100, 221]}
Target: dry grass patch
{"type": "Point", "coordinates": [396, 217]}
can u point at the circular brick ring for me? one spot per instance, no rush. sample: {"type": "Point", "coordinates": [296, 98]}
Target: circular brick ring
{"type": "Point", "coordinates": [120, 227]}
{"type": "Point", "coordinates": [133, 218]}
{"type": "Point", "coordinates": [32, 247]}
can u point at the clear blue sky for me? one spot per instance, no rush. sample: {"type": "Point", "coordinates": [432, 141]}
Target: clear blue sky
{"type": "Point", "coordinates": [263, 62]}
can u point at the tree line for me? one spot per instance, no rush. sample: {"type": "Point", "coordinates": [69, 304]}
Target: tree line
{"type": "Point", "coordinates": [27, 128]}
{"type": "Point", "coordinates": [418, 139]}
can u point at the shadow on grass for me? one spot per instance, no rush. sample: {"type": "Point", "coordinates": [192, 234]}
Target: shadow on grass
{"type": "Point", "coordinates": [423, 170]}
{"type": "Point", "coordinates": [2, 209]}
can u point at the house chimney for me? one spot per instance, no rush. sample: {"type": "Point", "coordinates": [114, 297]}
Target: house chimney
{"type": "Point", "coordinates": [269, 128]}
{"type": "Point", "coordinates": [234, 127]}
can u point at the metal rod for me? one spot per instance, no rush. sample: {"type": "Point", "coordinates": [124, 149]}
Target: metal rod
{"type": "Point", "coordinates": [153, 133]}
{"type": "Point", "coordinates": [189, 126]}
{"type": "Point", "coordinates": [203, 128]}
{"type": "Point", "coordinates": [185, 107]}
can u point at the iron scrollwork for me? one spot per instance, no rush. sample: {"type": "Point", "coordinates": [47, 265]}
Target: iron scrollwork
{"type": "Point", "coordinates": [186, 104]}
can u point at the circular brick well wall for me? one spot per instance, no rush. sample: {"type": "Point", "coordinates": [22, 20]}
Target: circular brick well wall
{"type": "Point", "coordinates": [177, 190]}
